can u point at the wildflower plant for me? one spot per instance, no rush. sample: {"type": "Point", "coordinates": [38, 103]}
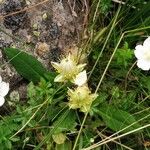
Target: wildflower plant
{"type": "Point", "coordinates": [51, 114]}
{"type": "Point", "coordinates": [81, 97]}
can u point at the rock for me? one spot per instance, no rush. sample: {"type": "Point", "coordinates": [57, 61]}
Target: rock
{"type": "Point", "coordinates": [5, 39]}
{"type": "Point", "coordinates": [16, 21]}
{"type": "Point", "coordinates": [42, 49]}
{"type": "Point", "coordinates": [53, 24]}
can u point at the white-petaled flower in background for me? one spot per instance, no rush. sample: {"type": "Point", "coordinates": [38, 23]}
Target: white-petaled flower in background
{"type": "Point", "coordinates": [68, 68]}
{"type": "Point", "coordinates": [142, 53]}
{"type": "Point", "coordinates": [4, 88]}
{"type": "Point", "coordinates": [81, 78]}
{"type": "Point", "coordinates": [81, 98]}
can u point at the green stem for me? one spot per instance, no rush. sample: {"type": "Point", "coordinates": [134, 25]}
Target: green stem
{"type": "Point", "coordinates": [76, 141]}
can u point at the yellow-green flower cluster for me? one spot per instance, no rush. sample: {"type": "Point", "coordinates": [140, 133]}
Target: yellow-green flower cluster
{"type": "Point", "coordinates": [81, 97]}
{"type": "Point", "coordinates": [69, 70]}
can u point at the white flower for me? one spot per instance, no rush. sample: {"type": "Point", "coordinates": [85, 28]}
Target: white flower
{"type": "Point", "coordinates": [4, 88]}
{"type": "Point", "coordinates": [81, 78]}
{"type": "Point", "coordinates": [142, 53]}
{"type": "Point", "coordinates": [68, 68]}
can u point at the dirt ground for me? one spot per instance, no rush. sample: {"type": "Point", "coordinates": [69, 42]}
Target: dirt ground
{"type": "Point", "coordinates": [43, 28]}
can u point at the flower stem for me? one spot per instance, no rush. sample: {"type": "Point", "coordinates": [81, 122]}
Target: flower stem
{"type": "Point", "coordinates": [76, 141]}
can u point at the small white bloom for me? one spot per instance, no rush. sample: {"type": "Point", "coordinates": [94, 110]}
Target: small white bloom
{"type": "Point", "coordinates": [142, 53]}
{"type": "Point", "coordinates": [81, 78]}
{"type": "Point", "coordinates": [4, 88]}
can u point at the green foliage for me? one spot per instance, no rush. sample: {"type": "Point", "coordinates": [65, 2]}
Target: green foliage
{"type": "Point", "coordinates": [124, 89]}
{"type": "Point", "coordinates": [117, 119]}
{"type": "Point", "coordinates": [43, 105]}
{"type": "Point", "coordinates": [7, 127]}
{"type": "Point", "coordinates": [123, 56]}
{"type": "Point", "coordinates": [137, 17]}
{"type": "Point", "coordinates": [105, 5]}
{"type": "Point", "coordinates": [145, 82]}
{"type": "Point", "coordinates": [25, 64]}
{"type": "Point", "coordinates": [65, 146]}
{"type": "Point", "coordinates": [67, 123]}
{"type": "Point", "coordinates": [40, 92]}
{"type": "Point", "coordinates": [44, 121]}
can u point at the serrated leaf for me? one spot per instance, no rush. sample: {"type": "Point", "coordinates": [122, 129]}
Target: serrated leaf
{"type": "Point", "coordinates": [26, 65]}
{"type": "Point", "coordinates": [117, 119]}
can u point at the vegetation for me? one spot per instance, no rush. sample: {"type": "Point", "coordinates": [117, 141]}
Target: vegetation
{"type": "Point", "coordinates": [119, 116]}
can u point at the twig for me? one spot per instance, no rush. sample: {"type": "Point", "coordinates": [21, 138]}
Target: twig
{"type": "Point", "coordinates": [25, 9]}
{"type": "Point", "coordinates": [117, 137]}
{"type": "Point", "coordinates": [115, 141]}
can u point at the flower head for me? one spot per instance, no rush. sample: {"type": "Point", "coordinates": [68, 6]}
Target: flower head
{"type": "Point", "coordinates": [67, 69]}
{"type": "Point", "coordinates": [142, 53]}
{"type": "Point", "coordinates": [81, 98]}
{"type": "Point", "coordinates": [4, 88]}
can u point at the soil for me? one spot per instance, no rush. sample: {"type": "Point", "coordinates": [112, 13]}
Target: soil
{"type": "Point", "coordinates": [44, 28]}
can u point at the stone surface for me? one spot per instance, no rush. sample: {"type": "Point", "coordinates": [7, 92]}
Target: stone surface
{"type": "Point", "coordinates": [44, 30]}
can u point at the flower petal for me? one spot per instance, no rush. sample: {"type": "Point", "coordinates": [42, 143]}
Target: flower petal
{"type": "Point", "coordinates": [139, 51]}
{"type": "Point", "coordinates": [81, 78]}
{"type": "Point", "coordinates": [0, 79]}
{"type": "Point", "coordinates": [4, 88]}
{"type": "Point", "coordinates": [143, 64]}
{"type": "Point", "coordinates": [2, 100]}
{"type": "Point", "coordinates": [81, 66]}
{"type": "Point", "coordinates": [56, 65]}
{"type": "Point", "coordinates": [59, 78]}
{"type": "Point", "coordinates": [146, 43]}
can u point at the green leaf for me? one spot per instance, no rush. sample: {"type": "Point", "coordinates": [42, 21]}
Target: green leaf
{"type": "Point", "coordinates": [67, 124]}
{"type": "Point", "coordinates": [65, 146]}
{"type": "Point", "coordinates": [57, 125]}
{"type": "Point", "coordinates": [117, 119]}
{"type": "Point", "coordinates": [123, 56]}
{"type": "Point", "coordinates": [15, 139]}
{"type": "Point", "coordinates": [25, 64]}
{"type": "Point", "coordinates": [8, 144]}
{"type": "Point", "coordinates": [145, 82]}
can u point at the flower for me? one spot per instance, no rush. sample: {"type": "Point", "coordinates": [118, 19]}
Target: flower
{"type": "Point", "coordinates": [81, 98]}
{"type": "Point", "coordinates": [142, 53]}
{"type": "Point", "coordinates": [4, 88]}
{"type": "Point", "coordinates": [67, 69]}
{"type": "Point", "coordinates": [81, 78]}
